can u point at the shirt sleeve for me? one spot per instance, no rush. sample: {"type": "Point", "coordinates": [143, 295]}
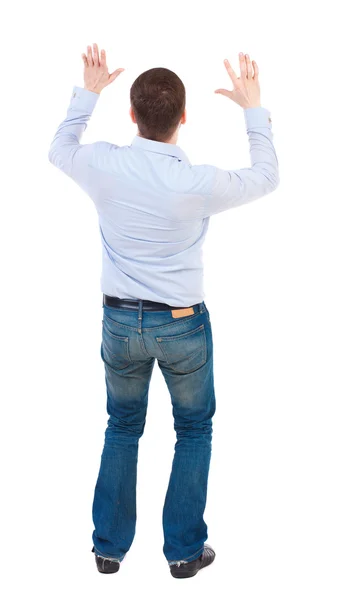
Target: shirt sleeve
{"type": "Point", "coordinates": [225, 189]}
{"type": "Point", "coordinates": [66, 152]}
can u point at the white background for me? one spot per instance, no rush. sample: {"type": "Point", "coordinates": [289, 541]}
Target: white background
{"type": "Point", "coordinates": [280, 284]}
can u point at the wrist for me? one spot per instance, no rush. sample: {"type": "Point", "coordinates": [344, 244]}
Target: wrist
{"type": "Point", "coordinates": [255, 105]}
{"type": "Point", "coordinates": [91, 89]}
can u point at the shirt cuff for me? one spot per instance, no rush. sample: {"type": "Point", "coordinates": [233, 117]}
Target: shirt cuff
{"type": "Point", "coordinates": [257, 117]}
{"type": "Point", "coordinates": [83, 99]}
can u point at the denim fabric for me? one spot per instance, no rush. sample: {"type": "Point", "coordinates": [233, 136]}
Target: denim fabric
{"type": "Point", "coordinates": [183, 347]}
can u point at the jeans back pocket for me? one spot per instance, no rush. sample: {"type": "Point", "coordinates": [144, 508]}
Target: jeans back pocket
{"type": "Point", "coordinates": [114, 348]}
{"type": "Point", "coordinates": [184, 352]}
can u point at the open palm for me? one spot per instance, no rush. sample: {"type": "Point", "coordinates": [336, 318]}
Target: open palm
{"type": "Point", "coordinates": [96, 75]}
{"type": "Point", "coordinates": [246, 90]}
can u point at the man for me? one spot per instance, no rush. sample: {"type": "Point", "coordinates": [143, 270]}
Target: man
{"type": "Point", "coordinates": [154, 209]}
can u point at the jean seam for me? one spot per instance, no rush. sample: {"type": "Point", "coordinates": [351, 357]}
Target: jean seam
{"type": "Point", "coordinates": [109, 557]}
{"type": "Point", "coordinates": [178, 336]}
{"type": "Point", "coordinates": [188, 557]}
{"type": "Point", "coordinates": [141, 341]}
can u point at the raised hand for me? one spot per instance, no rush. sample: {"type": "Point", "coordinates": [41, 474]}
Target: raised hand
{"type": "Point", "coordinates": [96, 76]}
{"type": "Point", "coordinates": [246, 90]}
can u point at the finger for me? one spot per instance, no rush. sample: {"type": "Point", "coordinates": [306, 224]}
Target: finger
{"type": "Point", "coordinates": [115, 74]}
{"type": "Point", "coordinates": [223, 92]}
{"type": "Point", "coordinates": [248, 66]}
{"type": "Point", "coordinates": [84, 58]}
{"type": "Point", "coordinates": [256, 69]}
{"type": "Point", "coordinates": [231, 71]}
{"type": "Point", "coordinates": [95, 55]}
{"type": "Point", "coordinates": [242, 62]}
{"type": "Point", "coordinates": [89, 56]}
{"type": "Point", "coordinates": [103, 58]}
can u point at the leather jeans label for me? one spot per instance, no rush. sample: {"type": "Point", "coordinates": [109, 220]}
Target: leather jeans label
{"type": "Point", "coordinates": [182, 312]}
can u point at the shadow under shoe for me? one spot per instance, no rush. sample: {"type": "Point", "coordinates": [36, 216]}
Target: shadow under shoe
{"type": "Point", "coordinates": [106, 565]}
{"type": "Point", "coordinates": [189, 569]}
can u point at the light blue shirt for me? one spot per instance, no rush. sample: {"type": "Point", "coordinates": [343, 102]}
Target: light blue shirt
{"type": "Point", "coordinates": [153, 206]}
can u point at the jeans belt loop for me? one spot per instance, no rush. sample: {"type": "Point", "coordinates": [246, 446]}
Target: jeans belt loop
{"type": "Point", "coordinates": [140, 315]}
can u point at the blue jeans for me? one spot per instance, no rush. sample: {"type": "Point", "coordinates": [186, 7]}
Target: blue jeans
{"type": "Point", "coordinates": [131, 341]}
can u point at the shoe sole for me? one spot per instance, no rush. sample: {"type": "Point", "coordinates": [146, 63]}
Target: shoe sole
{"type": "Point", "coordinates": [183, 573]}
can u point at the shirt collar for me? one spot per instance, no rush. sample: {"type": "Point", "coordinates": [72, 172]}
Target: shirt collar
{"type": "Point", "coordinates": [160, 147]}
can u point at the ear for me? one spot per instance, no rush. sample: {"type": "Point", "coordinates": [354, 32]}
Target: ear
{"type": "Point", "coordinates": [183, 119]}
{"type": "Point", "coordinates": [131, 114]}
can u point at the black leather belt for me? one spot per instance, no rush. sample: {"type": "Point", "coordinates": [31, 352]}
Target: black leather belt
{"type": "Point", "coordinates": [134, 304]}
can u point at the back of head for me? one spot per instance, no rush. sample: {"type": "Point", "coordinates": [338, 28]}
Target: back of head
{"type": "Point", "coordinates": [158, 102]}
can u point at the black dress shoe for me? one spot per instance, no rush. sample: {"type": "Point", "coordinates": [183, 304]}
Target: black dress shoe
{"type": "Point", "coordinates": [189, 569]}
{"type": "Point", "coordinates": [106, 565]}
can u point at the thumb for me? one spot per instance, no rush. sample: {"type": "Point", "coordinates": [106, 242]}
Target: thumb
{"type": "Point", "coordinates": [223, 92]}
{"type": "Point", "coordinates": [115, 74]}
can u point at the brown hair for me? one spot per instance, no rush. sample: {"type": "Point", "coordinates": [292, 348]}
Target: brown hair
{"type": "Point", "coordinates": [158, 102]}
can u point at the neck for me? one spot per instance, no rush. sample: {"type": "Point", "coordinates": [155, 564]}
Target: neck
{"type": "Point", "coordinates": [172, 140]}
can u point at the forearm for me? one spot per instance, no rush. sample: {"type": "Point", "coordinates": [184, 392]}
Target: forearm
{"type": "Point", "coordinates": [69, 133]}
{"type": "Point", "coordinates": [231, 188]}
{"type": "Point", "coordinates": [262, 152]}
